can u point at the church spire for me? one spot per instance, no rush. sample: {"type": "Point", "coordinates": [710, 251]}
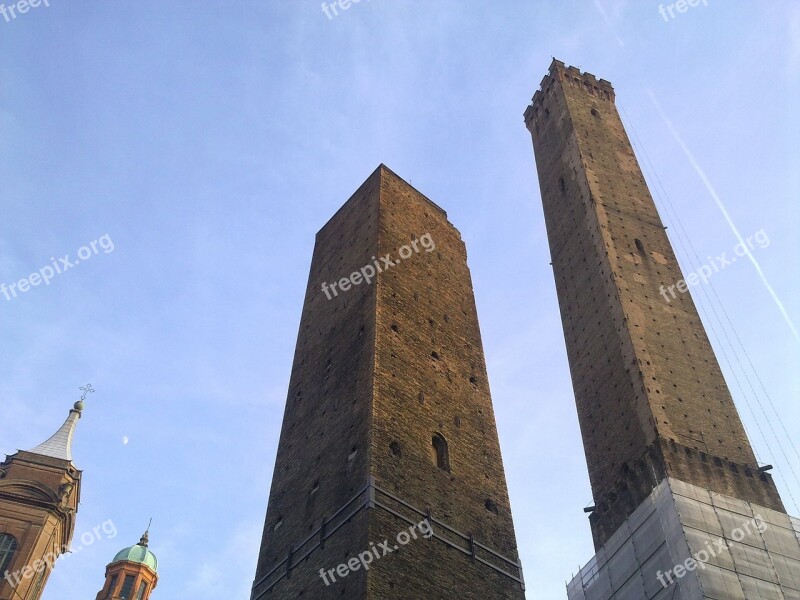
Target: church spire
{"type": "Point", "coordinates": [59, 445]}
{"type": "Point", "coordinates": [39, 499]}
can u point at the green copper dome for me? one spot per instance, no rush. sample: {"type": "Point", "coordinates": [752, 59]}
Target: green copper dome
{"type": "Point", "coordinates": [138, 554]}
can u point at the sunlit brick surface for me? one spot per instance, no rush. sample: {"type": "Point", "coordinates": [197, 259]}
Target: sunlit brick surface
{"type": "Point", "coordinates": [651, 398]}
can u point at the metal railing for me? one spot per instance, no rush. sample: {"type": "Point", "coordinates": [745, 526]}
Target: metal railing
{"type": "Point", "coordinates": [370, 497]}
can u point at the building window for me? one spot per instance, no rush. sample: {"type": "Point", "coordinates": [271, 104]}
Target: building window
{"type": "Point", "coordinates": [8, 547]}
{"type": "Point", "coordinates": [37, 588]}
{"type": "Point", "coordinates": [142, 589]}
{"type": "Point", "coordinates": [395, 449]}
{"type": "Point", "coordinates": [441, 457]}
{"type": "Point", "coordinates": [111, 586]}
{"type": "Point", "coordinates": [127, 587]}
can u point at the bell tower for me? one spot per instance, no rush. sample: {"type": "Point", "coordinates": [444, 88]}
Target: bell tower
{"type": "Point", "coordinates": [132, 575]}
{"type": "Point", "coordinates": [39, 496]}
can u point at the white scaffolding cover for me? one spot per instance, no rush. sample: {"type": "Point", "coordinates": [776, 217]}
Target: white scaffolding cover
{"type": "Point", "coordinates": [734, 550]}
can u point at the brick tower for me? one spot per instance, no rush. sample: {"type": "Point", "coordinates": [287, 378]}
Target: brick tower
{"type": "Point", "coordinates": [388, 482]}
{"type": "Point", "coordinates": [132, 575]}
{"type": "Point", "coordinates": [39, 496]}
{"type": "Point", "coordinates": [657, 419]}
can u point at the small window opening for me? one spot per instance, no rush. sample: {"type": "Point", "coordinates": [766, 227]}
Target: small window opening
{"type": "Point", "coordinates": [8, 548]}
{"type": "Point", "coordinates": [441, 455]}
{"type": "Point", "coordinates": [127, 587]}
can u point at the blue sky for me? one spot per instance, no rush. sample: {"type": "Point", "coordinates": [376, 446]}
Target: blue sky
{"type": "Point", "coordinates": [211, 140]}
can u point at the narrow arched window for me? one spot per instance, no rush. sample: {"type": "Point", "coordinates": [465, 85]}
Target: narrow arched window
{"type": "Point", "coordinates": [127, 587]}
{"type": "Point", "coordinates": [8, 547]}
{"type": "Point", "coordinates": [441, 456]}
{"type": "Point", "coordinates": [37, 588]}
{"type": "Point", "coordinates": [142, 590]}
{"type": "Point", "coordinates": [112, 586]}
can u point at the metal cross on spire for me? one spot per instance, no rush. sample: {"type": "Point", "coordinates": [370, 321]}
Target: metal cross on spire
{"type": "Point", "coordinates": [86, 389]}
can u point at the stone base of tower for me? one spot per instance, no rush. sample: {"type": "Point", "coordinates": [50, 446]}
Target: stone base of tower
{"type": "Point", "coordinates": [685, 542]}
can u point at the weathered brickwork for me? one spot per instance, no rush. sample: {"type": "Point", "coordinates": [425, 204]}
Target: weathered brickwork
{"type": "Point", "coordinates": [652, 401]}
{"type": "Point", "coordinates": [324, 442]}
{"type": "Point", "coordinates": [379, 371]}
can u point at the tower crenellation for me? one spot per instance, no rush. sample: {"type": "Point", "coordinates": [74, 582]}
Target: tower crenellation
{"type": "Point", "coordinates": [599, 89]}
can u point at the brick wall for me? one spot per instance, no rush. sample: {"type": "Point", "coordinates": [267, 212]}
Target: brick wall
{"type": "Point", "coordinates": [647, 385]}
{"type": "Point", "coordinates": [380, 370]}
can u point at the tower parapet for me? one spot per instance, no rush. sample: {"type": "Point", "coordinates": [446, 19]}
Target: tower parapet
{"type": "Point", "coordinates": [600, 89]}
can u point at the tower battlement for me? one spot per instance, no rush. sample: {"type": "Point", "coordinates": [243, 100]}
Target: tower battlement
{"type": "Point", "coordinates": [567, 75]}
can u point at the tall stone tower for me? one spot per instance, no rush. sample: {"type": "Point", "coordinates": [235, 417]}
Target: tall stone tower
{"type": "Point", "coordinates": [659, 427]}
{"type": "Point", "coordinates": [132, 575]}
{"type": "Point", "coordinates": [388, 482]}
{"type": "Point", "coordinates": [39, 495]}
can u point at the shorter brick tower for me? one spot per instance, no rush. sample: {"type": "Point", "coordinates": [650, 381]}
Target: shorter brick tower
{"type": "Point", "coordinates": [389, 483]}
{"type": "Point", "coordinates": [39, 496]}
{"type": "Point", "coordinates": [132, 575]}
